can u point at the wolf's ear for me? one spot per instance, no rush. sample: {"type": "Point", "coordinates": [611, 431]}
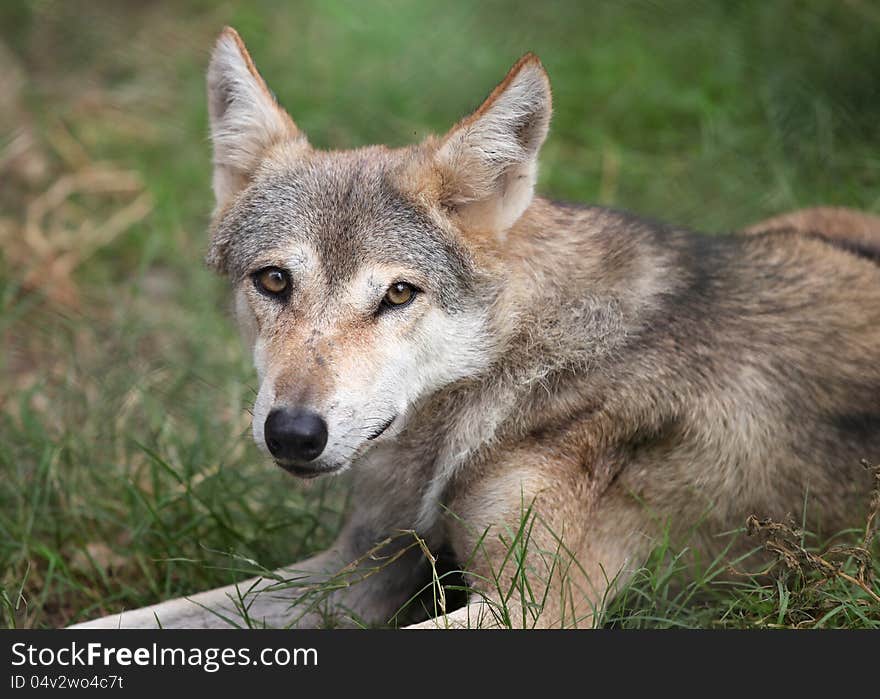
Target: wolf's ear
{"type": "Point", "coordinates": [488, 161]}
{"type": "Point", "coordinates": [245, 117]}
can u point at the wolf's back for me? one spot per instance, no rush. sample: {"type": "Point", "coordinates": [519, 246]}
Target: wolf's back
{"type": "Point", "coordinates": [850, 229]}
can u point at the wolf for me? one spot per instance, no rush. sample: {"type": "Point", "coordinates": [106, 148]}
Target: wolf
{"type": "Point", "coordinates": [530, 391]}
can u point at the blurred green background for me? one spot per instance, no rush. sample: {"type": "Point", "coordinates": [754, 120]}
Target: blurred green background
{"type": "Point", "coordinates": [127, 474]}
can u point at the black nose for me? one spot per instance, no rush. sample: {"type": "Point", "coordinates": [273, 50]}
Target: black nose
{"type": "Point", "coordinates": [297, 435]}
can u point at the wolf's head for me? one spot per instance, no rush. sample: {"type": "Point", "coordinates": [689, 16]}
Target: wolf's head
{"type": "Point", "coordinates": [364, 280]}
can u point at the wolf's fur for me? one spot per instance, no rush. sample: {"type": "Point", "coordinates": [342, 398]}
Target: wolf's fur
{"type": "Point", "coordinates": [611, 375]}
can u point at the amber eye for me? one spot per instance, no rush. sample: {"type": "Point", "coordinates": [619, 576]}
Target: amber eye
{"type": "Point", "coordinates": [272, 281]}
{"type": "Point", "coordinates": [399, 294]}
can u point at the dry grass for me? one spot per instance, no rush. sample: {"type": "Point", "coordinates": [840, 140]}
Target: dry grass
{"type": "Point", "coordinates": [814, 570]}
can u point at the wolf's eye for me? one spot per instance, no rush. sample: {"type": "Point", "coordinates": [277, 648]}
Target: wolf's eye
{"type": "Point", "coordinates": [399, 294]}
{"type": "Point", "coordinates": [272, 281]}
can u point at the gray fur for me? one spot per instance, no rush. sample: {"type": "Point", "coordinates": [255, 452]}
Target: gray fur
{"type": "Point", "coordinates": [347, 206]}
{"type": "Point", "coordinates": [616, 375]}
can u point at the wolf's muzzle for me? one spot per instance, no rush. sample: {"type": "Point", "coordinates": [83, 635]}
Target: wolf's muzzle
{"type": "Point", "coordinates": [295, 435]}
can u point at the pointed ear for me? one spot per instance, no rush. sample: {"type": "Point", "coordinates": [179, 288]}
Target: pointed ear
{"type": "Point", "coordinates": [245, 117]}
{"type": "Point", "coordinates": [488, 161]}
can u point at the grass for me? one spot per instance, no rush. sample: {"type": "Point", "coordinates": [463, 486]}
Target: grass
{"type": "Point", "coordinates": [128, 474]}
{"type": "Point", "coordinates": [768, 574]}
{"type": "Point", "coordinates": [802, 582]}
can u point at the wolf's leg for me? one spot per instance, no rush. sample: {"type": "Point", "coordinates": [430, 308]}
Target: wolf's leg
{"type": "Point", "coordinates": [546, 549]}
{"type": "Point", "coordinates": [474, 615]}
{"type": "Point", "coordinates": [352, 583]}
{"type": "Point", "coordinates": [265, 603]}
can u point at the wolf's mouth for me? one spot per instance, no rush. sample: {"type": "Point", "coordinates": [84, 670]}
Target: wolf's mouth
{"type": "Point", "coordinates": [384, 426]}
{"type": "Point", "coordinates": [305, 471]}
